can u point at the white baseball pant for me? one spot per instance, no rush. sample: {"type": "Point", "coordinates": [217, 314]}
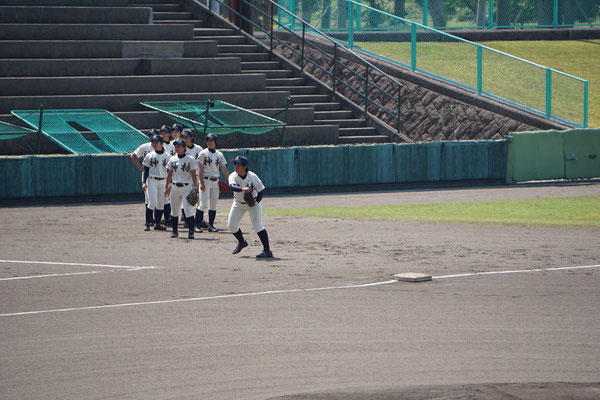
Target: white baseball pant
{"type": "Point", "coordinates": [237, 212]}
{"type": "Point", "coordinates": [178, 200]}
{"type": "Point", "coordinates": [156, 193]}
{"type": "Point", "coordinates": [210, 196]}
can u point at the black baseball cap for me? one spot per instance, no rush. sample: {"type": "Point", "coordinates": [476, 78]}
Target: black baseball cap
{"type": "Point", "coordinates": [177, 127]}
{"type": "Point", "coordinates": [187, 133]}
{"type": "Point", "coordinates": [158, 138]}
{"type": "Point", "coordinates": [166, 128]}
{"type": "Point", "coordinates": [241, 160]}
{"type": "Point", "coordinates": [211, 136]}
{"type": "Point", "coordinates": [179, 142]}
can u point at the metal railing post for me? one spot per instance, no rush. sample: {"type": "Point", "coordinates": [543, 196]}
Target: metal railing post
{"type": "Point", "coordinates": [271, 24]}
{"type": "Point", "coordinates": [39, 137]}
{"type": "Point", "coordinates": [398, 107]}
{"type": "Point", "coordinates": [367, 91]}
{"type": "Point", "coordinates": [586, 92]}
{"type": "Point", "coordinates": [491, 14]}
{"type": "Point", "coordinates": [425, 12]}
{"type": "Point", "coordinates": [413, 46]}
{"type": "Point", "coordinates": [548, 92]}
{"type": "Point", "coordinates": [293, 15]}
{"type": "Point", "coordinates": [334, 67]}
{"type": "Point", "coordinates": [479, 69]}
{"type": "Point", "coordinates": [239, 18]}
{"type": "Point", "coordinates": [357, 16]}
{"type": "Point", "coordinates": [302, 57]}
{"type": "Point", "coordinates": [350, 24]}
{"type": "Point", "coordinates": [555, 14]}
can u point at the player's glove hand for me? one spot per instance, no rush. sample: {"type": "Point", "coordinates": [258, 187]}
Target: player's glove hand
{"type": "Point", "coordinates": [193, 196]}
{"type": "Point", "coordinates": [249, 199]}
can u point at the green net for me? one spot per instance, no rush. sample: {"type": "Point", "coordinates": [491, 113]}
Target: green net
{"type": "Point", "coordinates": [215, 116]}
{"type": "Point", "coordinates": [9, 131]}
{"type": "Point", "coordinates": [85, 131]}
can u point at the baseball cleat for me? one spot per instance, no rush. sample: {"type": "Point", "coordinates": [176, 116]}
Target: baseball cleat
{"type": "Point", "coordinates": [160, 227]}
{"type": "Point", "coordinates": [147, 228]}
{"type": "Point", "coordinates": [198, 230]}
{"type": "Point", "coordinates": [265, 254]}
{"type": "Point", "coordinates": [174, 234]}
{"type": "Point", "coordinates": [191, 235]}
{"type": "Point", "coordinates": [239, 247]}
{"type": "Point", "coordinates": [203, 225]}
{"type": "Point", "coordinates": [212, 229]}
{"type": "Point", "coordinates": [185, 225]}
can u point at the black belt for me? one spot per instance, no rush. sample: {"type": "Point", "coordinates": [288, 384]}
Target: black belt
{"type": "Point", "coordinates": [158, 179]}
{"type": "Point", "coordinates": [179, 184]}
{"type": "Point", "coordinates": [211, 178]}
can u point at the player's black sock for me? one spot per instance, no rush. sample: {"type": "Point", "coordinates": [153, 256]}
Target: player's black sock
{"type": "Point", "coordinates": [149, 220]}
{"type": "Point", "coordinates": [211, 217]}
{"type": "Point", "coordinates": [183, 217]}
{"type": "Point", "coordinates": [264, 238]}
{"type": "Point", "coordinates": [199, 216]}
{"type": "Point", "coordinates": [239, 236]}
{"type": "Point", "coordinates": [174, 223]}
{"type": "Point", "coordinates": [167, 211]}
{"type": "Point", "coordinates": [158, 215]}
{"type": "Point", "coordinates": [191, 224]}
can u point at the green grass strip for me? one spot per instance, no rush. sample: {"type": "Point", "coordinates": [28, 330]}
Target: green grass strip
{"type": "Point", "coordinates": [581, 211]}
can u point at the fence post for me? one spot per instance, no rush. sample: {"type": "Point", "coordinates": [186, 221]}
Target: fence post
{"type": "Point", "coordinates": [555, 14]}
{"type": "Point", "coordinates": [293, 14]}
{"type": "Point", "coordinates": [39, 137]}
{"type": "Point", "coordinates": [398, 108]}
{"type": "Point", "coordinates": [479, 69]}
{"type": "Point", "coordinates": [425, 12]}
{"type": "Point", "coordinates": [334, 67]}
{"type": "Point", "coordinates": [548, 92]}
{"type": "Point", "coordinates": [357, 16]}
{"type": "Point", "coordinates": [302, 57]}
{"type": "Point", "coordinates": [239, 18]}
{"type": "Point", "coordinates": [367, 91]}
{"type": "Point", "coordinates": [491, 14]}
{"type": "Point", "coordinates": [350, 24]}
{"type": "Point", "coordinates": [586, 90]}
{"type": "Point", "coordinates": [413, 46]}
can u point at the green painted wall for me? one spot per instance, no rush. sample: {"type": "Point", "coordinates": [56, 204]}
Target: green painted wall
{"type": "Point", "coordinates": [91, 175]}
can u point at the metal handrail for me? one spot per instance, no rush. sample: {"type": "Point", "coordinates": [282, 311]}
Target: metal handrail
{"type": "Point", "coordinates": [365, 86]}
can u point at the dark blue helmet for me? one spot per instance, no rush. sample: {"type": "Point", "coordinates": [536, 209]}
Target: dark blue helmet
{"type": "Point", "coordinates": [187, 133]}
{"type": "Point", "coordinates": [158, 138]}
{"type": "Point", "coordinates": [179, 142]}
{"type": "Point", "coordinates": [153, 132]}
{"type": "Point", "coordinates": [211, 136]}
{"type": "Point", "coordinates": [177, 127]}
{"type": "Point", "coordinates": [165, 128]}
{"type": "Point", "coordinates": [241, 160]}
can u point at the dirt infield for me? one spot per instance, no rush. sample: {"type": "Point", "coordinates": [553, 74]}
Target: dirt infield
{"type": "Point", "coordinates": [203, 323]}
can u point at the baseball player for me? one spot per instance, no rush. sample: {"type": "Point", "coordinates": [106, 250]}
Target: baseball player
{"type": "Point", "coordinates": [153, 182]}
{"type": "Point", "coordinates": [247, 189]}
{"type": "Point", "coordinates": [192, 150]}
{"type": "Point", "coordinates": [209, 161]}
{"type": "Point", "coordinates": [176, 131]}
{"type": "Point", "coordinates": [181, 180]}
{"type": "Point", "coordinates": [141, 152]}
{"type": "Point", "coordinates": [165, 132]}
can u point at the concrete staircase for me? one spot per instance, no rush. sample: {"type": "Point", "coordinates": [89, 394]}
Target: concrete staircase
{"type": "Point", "coordinates": [144, 50]}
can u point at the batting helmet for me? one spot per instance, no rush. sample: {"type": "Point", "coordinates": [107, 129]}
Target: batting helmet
{"type": "Point", "coordinates": [241, 160]}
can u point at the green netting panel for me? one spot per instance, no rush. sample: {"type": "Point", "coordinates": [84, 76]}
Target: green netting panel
{"type": "Point", "coordinates": [105, 132]}
{"type": "Point", "coordinates": [9, 131]}
{"type": "Point", "coordinates": [216, 117]}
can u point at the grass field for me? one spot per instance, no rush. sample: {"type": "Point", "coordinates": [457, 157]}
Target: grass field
{"type": "Point", "coordinates": [581, 211]}
{"type": "Point", "coordinates": [511, 79]}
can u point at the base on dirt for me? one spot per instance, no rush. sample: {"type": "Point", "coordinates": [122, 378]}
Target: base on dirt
{"type": "Point", "coordinates": [412, 277]}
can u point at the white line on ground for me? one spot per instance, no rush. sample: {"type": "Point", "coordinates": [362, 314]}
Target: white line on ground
{"type": "Point", "coordinates": [16, 278]}
{"type": "Point", "coordinates": [228, 296]}
{"type": "Point", "coordinates": [129, 267]}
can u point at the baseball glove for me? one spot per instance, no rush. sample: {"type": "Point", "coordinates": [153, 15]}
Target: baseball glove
{"type": "Point", "coordinates": [193, 197]}
{"type": "Point", "coordinates": [223, 187]}
{"type": "Point", "coordinates": [249, 199]}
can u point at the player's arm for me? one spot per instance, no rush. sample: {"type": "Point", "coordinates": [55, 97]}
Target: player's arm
{"type": "Point", "coordinates": [145, 176]}
{"type": "Point", "coordinates": [168, 184]}
{"type": "Point", "coordinates": [136, 162]}
{"type": "Point", "coordinates": [201, 175]}
{"type": "Point", "coordinates": [225, 172]}
{"type": "Point", "coordinates": [195, 179]}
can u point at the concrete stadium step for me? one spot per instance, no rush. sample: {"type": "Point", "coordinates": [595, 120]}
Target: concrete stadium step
{"type": "Point", "coordinates": [195, 23]}
{"type": "Point", "coordinates": [237, 48]}
{"type": "Point", "coordinates": [358, 131]}
{"type": "Point", "coordinates": [261, 65]}
{"type": "Point", "coordinates": [224, 40]}
{"type": "Point", "coordinates": [117, 66]}
{"type": "Point", "coordinates": [130, 84]}
{"type": "Point", "coordinates": [160, 7]}
{"type": "Point", "coordinates": [312, 98]}
{"type": "Point", "coordinates": [74, 15]}
{"type": "Point", "coordinates": [181, 15]}
{"type": "Point", "coordinates": [343, 123]}
{"type": "Point", "coordinates": [37, 49]}
{"type": "Point", "coordinates": [272, 73]}
{"type": "Point", "coordinates": [130, 102]}
{"type": "Point", "coordinates": [319, 107]}
{"type": "Point", "coordinates": [334, 114]}
{"type": "Point", "coordinates": [362, 139]}
{"type": "Point", "coordinates": [96, 32]}
{"type": "Point", "coordinates": [246, 57]}
{"type": "Point", "coordinates": [153, 2]}
{"type": "Point", "coordinates": [213, 31]}
{"type": "Point", "coordinates": [65, 3]}
{"type": "Point", "coordinates": [284, 81]}
{"type": "Point", "coordinates": [296, 90]}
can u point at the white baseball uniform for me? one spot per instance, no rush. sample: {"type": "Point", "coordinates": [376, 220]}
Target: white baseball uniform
{"type": "Point", "coordinates": [169, 148]}
{"type": "Point", "coordinates": [182, 183]}
{"type": "Point", "coordinates": [193, 151]}
{"type": "Point", "coordinates": [239, 206]}
{"type": "Point", "coordinates": [157, 164]}
{"type": "Point", "coordinates": [211, 162]}
{"type": "Point", "coordinates": [141, 152]}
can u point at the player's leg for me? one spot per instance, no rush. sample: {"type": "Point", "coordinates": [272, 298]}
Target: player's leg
{"type": "Point", "coordinates": [189, 214]}
{"type": "Point", "coordinates": [149, 220]}
{"type": "Point", "coordinates": [202, 208]}
{"type": "Point", "coordinates": [160, 206]}
{"type": "Point", "coordinates": [167, 211]}
{"type": "Point", "coordinates": [212, 210]}
{"type": "Point", "coordinates": [151, 203]}
{"type": "Point", "coordinates": [256, 218]}
{"type": "Point", "coordinates": [176, 200]}
{"type": "Point", "coordinates": [235, 216]}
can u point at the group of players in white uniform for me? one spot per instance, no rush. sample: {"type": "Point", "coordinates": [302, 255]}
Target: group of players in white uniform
{"type": "Point", "coordinates": [173, 166]}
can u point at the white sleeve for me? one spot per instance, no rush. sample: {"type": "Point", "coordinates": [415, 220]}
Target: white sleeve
{"type": "Point", "coordinates": [258, 185]}
{"type": "Point", "coordinates": [201, 158]}
{"type": "Point", "coordinates": [169, 167]}
{"type": "Point", "coordinates": [146, 162]}
{"type": "Point", "coordinates": [138, 152]}
{"type": "Point", "coordinates": [194, 165]}
{"type": "Point", "coordinates": [222, 159]}
{"type": "Point", "coordinates": [232, 178]}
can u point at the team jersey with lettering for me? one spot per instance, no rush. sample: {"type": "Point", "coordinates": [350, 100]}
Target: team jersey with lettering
{"type": "Point", "coordinates": [169, 148]}
{"type": "Point", "coordinates": [251, 179]}
{"type": "Point", "coordinates": [211, 162]}
{"type": "Point", "coordinates": [194, 151]}
{"type": "Point", "coordinates": [143, 150]}
{"type": "Point", "coordinates": [181, 168]}
{"type": "Point", "coordinates": [157, 164]}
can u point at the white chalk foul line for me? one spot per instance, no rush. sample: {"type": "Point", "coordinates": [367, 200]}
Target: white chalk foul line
{"type": "Point", "coordinates": [229, 296]}
{"type": "Point", "coordinates": [127, 267]}
{"type": "Point", "coordinates": [17, 278]}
